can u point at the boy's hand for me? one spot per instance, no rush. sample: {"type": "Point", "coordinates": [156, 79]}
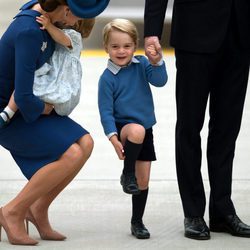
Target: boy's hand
{"type": "Point", "coordinates": [153, 49]}
{"type": "Point", "coordinates": [118, 147]}
{"type": "Point", "coordinates": [44, 21]}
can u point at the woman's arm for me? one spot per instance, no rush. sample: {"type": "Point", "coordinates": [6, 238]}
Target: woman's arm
{"type": "Point", "coordinates": [57, 34]}
{"type": "Point", "coordinates": [27, 52]}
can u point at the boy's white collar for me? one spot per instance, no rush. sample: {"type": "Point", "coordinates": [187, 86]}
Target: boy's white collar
{"type": "Point", "coordinates": [116, 68]}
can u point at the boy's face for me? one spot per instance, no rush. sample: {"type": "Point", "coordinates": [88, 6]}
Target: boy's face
{"type": "Point", "coordinates": [120, 48]}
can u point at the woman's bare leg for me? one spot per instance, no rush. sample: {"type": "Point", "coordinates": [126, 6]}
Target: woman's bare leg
{"type": "Point", "coordinates": [12, 104]}
{"type": "Point", "coordinates": [40, 207]}
{"type": "Point", "coordinates": [43, 181]}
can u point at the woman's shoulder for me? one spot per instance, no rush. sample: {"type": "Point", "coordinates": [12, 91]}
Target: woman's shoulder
{"type": "Point", "coordinates": [31, 32]}
{"type": "Point", "coordinates": [27, 26]}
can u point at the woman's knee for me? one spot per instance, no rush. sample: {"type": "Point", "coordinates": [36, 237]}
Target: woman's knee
{"type": "Point", "coordinates": [86, 143]}
{"type": "Point", "coordinates": [73, 154]}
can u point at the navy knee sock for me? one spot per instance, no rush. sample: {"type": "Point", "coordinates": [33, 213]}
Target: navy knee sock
{"type": "Point", "coordinates": [138, 205]}
{"type": "Point", "coordinates": [131, 151]}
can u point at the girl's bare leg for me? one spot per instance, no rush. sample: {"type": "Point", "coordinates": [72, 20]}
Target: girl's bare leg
{"type": "Point", "coordinates": [12, 104]}
{"type": "Point", "coordinates": [45, 180]}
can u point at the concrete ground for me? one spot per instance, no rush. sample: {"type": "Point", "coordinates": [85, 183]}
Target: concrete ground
{"type": "Point", "coordinates": [93, 211]}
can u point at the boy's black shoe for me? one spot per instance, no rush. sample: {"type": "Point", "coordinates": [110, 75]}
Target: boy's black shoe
{"type": "Point", "coordinates": [139, 230]}
{"type": "Point", "coordinates": [129, 184]}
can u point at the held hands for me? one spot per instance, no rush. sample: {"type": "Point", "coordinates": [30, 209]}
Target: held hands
{"type": "Point", "coordinates": [118, 147]}
{"type": "Point", "coordinates": [47, 108]}
{"type": "Point", "coordinates": [44, 20]}
{"type": "Point", "coordinates": [153, 49]}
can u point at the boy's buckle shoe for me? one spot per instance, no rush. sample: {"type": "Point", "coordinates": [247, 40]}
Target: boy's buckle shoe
{"type": "Point", "coordinates": [139, 230]}
{"type": "Point", "coordinates": [129, 184]}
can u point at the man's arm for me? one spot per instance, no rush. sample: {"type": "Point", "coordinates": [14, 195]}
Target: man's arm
{"type": "Point", "coordinates": [154, 15]}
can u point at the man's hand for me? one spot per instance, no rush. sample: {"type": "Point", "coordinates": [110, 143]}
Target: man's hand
{"type": "Point", "coordinates": [153, 49]}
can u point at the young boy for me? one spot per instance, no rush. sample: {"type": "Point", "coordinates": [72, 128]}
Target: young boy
{"type": "Point", "coordinates": [127, 111]}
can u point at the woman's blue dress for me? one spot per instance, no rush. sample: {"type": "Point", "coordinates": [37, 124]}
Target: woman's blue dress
{"type": "Point", "coordinates": [33, 139]}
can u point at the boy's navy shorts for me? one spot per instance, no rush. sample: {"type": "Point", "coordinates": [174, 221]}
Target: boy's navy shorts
{"type": "Point", "coordinates": [148, 150]}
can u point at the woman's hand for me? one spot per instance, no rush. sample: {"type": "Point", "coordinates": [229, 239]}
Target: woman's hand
{"type": "Point", "coordinates": [118, 147]}
{"type": "Point", "coordinates": [47, 108]}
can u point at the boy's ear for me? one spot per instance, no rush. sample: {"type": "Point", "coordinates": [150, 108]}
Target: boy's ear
{"type": "Point", "coordinates": [106, 48]}
{"type": "Point", "coordinates": [136, 46]}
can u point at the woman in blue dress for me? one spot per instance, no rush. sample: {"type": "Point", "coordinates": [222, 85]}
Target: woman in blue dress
{"type": "Point", "coordinates": [49, 149]}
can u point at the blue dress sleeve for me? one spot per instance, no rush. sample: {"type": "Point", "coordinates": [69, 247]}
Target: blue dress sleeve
{"type": "Point", "coordinates": [27, 52]}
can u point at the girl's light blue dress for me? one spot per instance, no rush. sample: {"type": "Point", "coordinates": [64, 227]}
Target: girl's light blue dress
{"type": "Point", "coordinates": [59, 80]}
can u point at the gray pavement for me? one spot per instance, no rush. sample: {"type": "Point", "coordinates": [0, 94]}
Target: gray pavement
{"type": "Point", "coordinates": [94, 212]}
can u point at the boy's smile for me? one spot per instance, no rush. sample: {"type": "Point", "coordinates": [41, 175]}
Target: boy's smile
{"type": "Point", "coordinates": [120, 48]}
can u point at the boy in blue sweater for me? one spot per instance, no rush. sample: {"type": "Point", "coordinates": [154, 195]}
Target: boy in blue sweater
{"type": "Point", "coordinates": [127, 111]}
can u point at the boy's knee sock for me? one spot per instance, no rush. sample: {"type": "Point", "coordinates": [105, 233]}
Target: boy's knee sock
{"type": "Point", "coordinates": [131, 151]}
{"type": "Point", "coordinates": [138, 205]}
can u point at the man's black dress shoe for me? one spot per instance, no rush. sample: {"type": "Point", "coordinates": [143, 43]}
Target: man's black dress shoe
{"type": "Point", "coordinates": [139, 230]}
{"type": "Point", "coordinates": [230, 224]}
{"type": "Point", "coordinates": [196, 228]}
{"type": "Point", "coordinates": [129, 184]}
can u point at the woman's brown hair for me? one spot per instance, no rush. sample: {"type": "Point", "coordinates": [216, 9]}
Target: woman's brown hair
{"type": "Point", "coordinates": [51, 5]}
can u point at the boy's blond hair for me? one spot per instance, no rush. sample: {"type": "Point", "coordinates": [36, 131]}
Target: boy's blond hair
{"type": "Point", "coordinates": [122, 25]}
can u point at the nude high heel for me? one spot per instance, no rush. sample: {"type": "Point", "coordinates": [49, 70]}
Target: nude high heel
{"type": "Point", "coordinates": [14, 240]}
{"type": "Point", "coordinates": [53, 235]}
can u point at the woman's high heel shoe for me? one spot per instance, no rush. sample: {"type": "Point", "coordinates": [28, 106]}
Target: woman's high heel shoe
{"type": "Point", "coordinates": [53, 235]}
{"type": "Point", "coordinates": [15, 240]}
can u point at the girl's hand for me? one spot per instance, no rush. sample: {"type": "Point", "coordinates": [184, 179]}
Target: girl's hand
{"type": "Point", "coordinates": [44, 21]}
{"type": "Point", "coordinates": [47, 108]}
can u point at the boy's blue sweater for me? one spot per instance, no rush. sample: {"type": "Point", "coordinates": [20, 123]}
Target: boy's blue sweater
{"type": "Point", "coordinates": [124, 94]}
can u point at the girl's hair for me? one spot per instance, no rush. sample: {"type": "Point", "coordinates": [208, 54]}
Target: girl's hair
{"type": "Point", "coordinates": [51, 5]}
{"type": "Point", "coordinates": [84, 26]}
{"type": "Point", "coordinates": [122, 25]}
